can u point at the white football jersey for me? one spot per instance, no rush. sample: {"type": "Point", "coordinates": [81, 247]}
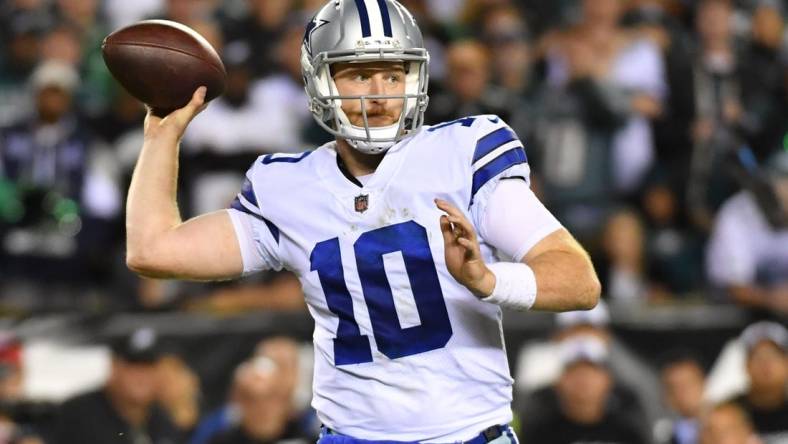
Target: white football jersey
{"type": "Point", "coordinates": [402, 351]}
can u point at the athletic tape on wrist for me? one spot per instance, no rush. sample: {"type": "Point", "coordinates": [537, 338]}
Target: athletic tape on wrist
{"type": "Point", "coordinates": [515, 286]}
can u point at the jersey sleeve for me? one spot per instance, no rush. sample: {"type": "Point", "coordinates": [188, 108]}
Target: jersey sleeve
{"type": "Point", "coordinates": [497, 154]}
{"type": "Point", "coordinates": [257, 236]}
{"type": "Point", "coordinates": [515, 220]}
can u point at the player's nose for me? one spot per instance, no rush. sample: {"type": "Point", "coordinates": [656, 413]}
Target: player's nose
{"type": "Point", "coordinates": [377, 87]}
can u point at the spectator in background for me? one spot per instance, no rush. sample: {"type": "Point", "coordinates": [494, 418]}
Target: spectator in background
{"type": "Point", "coordinates": [727, 423]}
{"type": "Point", "coordinates": [62, 44]}
{"type": "Point", "coordinates": [81, 14]}
{"type": "Point", "coordinates": [659, 21]}
{"type": "Point", "coordinates": [505, 33]}
{"type": "Point", "coordinates": [543, 17]}
{"type": "Point", "coordinates": [747, 254]}
{"type": "Point", "coordinates": [84, 21]}
{"type": "Point", "coordinates": [683, 381]}
{"type": "Point", "coordinates": [651, 258]}
{"type": "Point", "coordinates": [125, 409]}
{"type": "Point", "coordinates": [21, 28]}
{"type": "Point", "coordinates": [578, 115]}
{"type": "Point", "coordinates": [179, 393]}
{"type": "Point", "coordinates": [603, 85]}
{"type": "Point", "coordinates": [718, 110]}
{"type": "Point", "coordinates": [467, 89]}
{"type": "Point", "coordinates": [63, 185]}
{"type": "Point", "coordinates": [296, 368]}
{"type": "Point", "coordinates": [623, 244]}
{"type": "Point", "coordinates": [633, 67]}
{"type": "Point", "coordinates": [766, 400]}
{"type": "Point", "coordinates": [673, 249]}
{"type": "Point", "coordinates": [583, 391]}
{"type": "Point", "coordinates": [764, 99]}
{"type": "Point", "coordinates": [259, 28]}
{"type": "Point", "coordinates": [635, 394]}
{"type": "Point", "coordinates": [264, 405]}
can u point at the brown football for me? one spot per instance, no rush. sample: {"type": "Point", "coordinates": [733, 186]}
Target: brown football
{"type": "Point", "coordinates": [161, 63]}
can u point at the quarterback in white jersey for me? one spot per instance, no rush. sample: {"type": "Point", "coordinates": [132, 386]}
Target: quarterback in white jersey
{"type": "Point", "coordinates": [407, 239]}
{"type": "Point", "coordinates": [394, 331]}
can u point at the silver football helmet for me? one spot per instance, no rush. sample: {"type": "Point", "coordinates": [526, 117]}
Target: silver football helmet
{"type": "Point", "coordinates": [364, 31]}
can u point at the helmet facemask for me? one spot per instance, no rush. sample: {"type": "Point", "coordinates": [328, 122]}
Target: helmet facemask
{"type": "Point", "coordinates": [326, 102]}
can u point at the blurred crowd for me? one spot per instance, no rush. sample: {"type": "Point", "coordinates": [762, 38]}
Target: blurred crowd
{"type": "Point", "coordinates": [585, 384]}
{"type": "Point", "coordinates": [656, 130]}
{"type": "Point", "coordinates": [579, 384]}
{"type": "Point", "coordinates": [146, 393]}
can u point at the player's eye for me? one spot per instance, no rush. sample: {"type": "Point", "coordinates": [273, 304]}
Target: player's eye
{"type": "Point", "coordinates": [395, 78]}
{"type": "Point", "coordinates": [361, 77]}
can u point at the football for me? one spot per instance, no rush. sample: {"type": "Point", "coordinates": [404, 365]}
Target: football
{"type": "Point", "coordinates": [162, 63]}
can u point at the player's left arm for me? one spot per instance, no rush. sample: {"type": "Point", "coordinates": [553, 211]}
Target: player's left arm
{"type": "Point", "coordinates": [546, 268]}
{"type": "Point", "coordinates": [564, 276]}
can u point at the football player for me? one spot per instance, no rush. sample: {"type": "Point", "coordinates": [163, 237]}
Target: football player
{"type": "Point", "coordinates": [407, 239]}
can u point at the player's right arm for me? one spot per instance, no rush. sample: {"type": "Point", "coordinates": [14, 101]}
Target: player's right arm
{"type": "Point", "coordinates": [158, 242]}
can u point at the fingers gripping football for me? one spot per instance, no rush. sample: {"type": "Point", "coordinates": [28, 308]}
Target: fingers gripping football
{"type": "Point", "coordinates": [176, 122]}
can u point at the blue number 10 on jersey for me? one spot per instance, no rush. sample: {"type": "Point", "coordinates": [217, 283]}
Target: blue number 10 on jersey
{"type": "Point", "coordinates": [410, 239]}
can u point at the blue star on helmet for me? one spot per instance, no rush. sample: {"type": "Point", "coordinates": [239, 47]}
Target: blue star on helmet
{"type": "Point", "coordinates": [310, 28]}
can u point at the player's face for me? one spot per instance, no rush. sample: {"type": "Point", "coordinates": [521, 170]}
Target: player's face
{"type": "Point", "coordinates": [364, 79]}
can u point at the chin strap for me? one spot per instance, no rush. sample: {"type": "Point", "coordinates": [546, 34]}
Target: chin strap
{"type": "Point", "coordinates": [367, 146]}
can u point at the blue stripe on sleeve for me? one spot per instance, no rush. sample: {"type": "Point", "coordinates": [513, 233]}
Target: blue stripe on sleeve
{"type": "Point", "coordinates": [506, 160]}
{"type": "Point", "coordinates": [237, 205]}
{"type": "Point", "coordinates": [491, 141]}
{"type": "Point", "coordinates": [384, 12]}
{"type": "Point", "coordinates": [269, 159]}
{"type": "Point", "coordinates": [364, 16]}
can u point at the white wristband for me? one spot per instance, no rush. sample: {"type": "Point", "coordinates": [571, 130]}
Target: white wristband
{"type": "Point", "coordinates": [515, 285]}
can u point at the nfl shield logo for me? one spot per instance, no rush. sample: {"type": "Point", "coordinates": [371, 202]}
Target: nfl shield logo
{"type": "Point", "coordinates": [362, 203]}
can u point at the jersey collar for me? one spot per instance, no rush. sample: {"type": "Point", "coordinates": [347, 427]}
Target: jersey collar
{"type": "Point", "coordinates": [345, 187]}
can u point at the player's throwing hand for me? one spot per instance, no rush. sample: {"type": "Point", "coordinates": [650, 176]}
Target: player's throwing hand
{"type": "Point", "coordinates": [175, 123]}
{"type": "Point", "coordinates": [463, 256]}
